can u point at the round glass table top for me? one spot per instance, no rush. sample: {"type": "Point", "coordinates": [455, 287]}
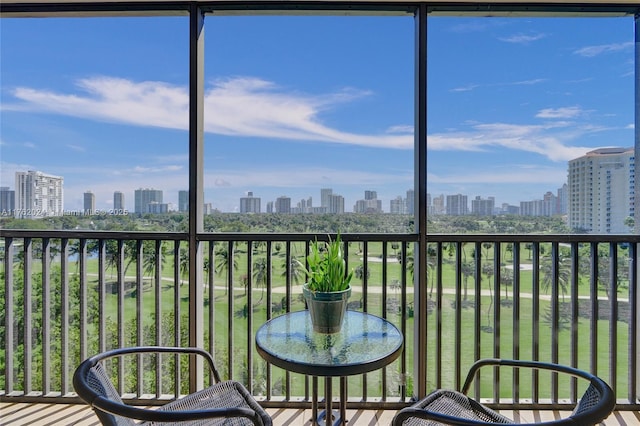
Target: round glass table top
{"type": "Point", "coordinates": [365, 343]}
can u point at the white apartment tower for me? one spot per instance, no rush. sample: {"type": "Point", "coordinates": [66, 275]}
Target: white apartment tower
{"type": "Point", "coordinates": [457, 205]}
{"type": "Point", "coordinates": [325, 197]}
{"type": "Point", "coordinates": [601, 191]}
{"type": "Point", "coordinates": [336, 204]}
{"type": "Point", "coordinates": [250, 204]}
{"type": "Point", "coordinates": [38, 195]}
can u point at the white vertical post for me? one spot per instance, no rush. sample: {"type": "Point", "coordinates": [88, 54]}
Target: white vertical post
{"type": "Point", "coordinates": [196, 194]}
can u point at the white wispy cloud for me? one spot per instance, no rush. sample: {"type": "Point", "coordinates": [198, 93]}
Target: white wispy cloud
{"type": "Point", "coordinates": [259, 108]}
{"type": "Point", "coordinates": [303, 177]}
{"type": "Point", "coordinates": [564, 112]}
{"type": "Point", "coordinates": [591, 51]}
{"type": "Point", "coordinates": [470, 87]}
{"type": "Point", "coordinates": [516, 175]}
{"type": "Point", "coordinates": [76, 148]}
{"type": "Point", "coordinates": [550, 140]}
{"type": "Point", "coordinates": [243, 106]}
{"type": "Point", "coordinates": [522, 38]}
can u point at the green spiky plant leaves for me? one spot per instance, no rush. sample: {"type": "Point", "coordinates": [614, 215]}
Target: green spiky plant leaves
{"type": "Point", "coordinates": [327, 268]}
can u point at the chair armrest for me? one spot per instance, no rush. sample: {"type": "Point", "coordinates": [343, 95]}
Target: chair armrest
{"type": "Point", "coordinates": [599, 410]}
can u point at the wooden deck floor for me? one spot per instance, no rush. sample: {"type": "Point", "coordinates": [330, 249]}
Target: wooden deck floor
{"type": "Point", "coordinates": [21, 414]}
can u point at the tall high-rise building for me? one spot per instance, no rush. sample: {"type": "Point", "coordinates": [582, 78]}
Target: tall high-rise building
{"type": "Point", "coordinates": [370, 204]}
{"type": "Point", "coordinates": [325, 197]}
{"type": "Point", "coordinates": [397, 205]}
{"type": "Point", "coordinates": [601, 191]}
{"type": "Point", "coordinates": [370, 195]}
{"type": "Point", "coordinates": [89, 203]}
{"type": "Point", "coordinates": [38, 194]}
{"type": "Point", "coordinates": [250, 204]}
{"type": "Point", "coordinates": [118, 201]}
{"type": "Point", "coordinates": [7, 201]}
{"type": "Point", "coordinates": [410, 202]}
{"type": "Point", "coordinates": [144, 197]}
{"type": "Point", "coordinates": [483, 207]}
{"type": "Point", "coordinates": [562, 202]}
{"type": "Point", "coordinates": [183, 201]}
{"type": "Point", "coordinates": [438, 204]}
{"type": "Point", "coordinates": [283, 204]}
{"type": "Point", "coordinates": [336, 204]}
{"type": "Point", "coordinates": [457, 205]}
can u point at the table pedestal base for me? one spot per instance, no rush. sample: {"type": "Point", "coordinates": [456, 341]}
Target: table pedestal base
{"type": "Point", "coordinates": [337, 417]}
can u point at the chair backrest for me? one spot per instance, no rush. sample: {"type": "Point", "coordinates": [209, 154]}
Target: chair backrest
{"type": "Point", "coordinates": [98, 380]}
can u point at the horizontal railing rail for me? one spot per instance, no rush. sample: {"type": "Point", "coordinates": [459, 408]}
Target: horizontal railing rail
{"type": "Point", "coordinates": [570, 299]}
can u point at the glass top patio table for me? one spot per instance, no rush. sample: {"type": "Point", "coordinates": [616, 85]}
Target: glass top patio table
{"type": "Point", "coordinates": [365, 343]}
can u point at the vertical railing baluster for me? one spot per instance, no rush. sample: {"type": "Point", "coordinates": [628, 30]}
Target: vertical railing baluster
{"type": "Point", "coordinates": [403, 317]}
{"type": "Point", "coordinates": [27, 316]}
{"type": "Point", "coordinates": [139, 314]}
{"type": "Point", "coordinates": [177, 284]}
{"type": "Point", "coordinates": [102, 324]}
{"type": "Point", "coordinates": [230, 268]}
{"type": "Point", "coordinates": [634, 317]}
{"type": "Point", "coordinates": [82, 281]}
{"type": "Point", "coordinates": [515, 295]}
{"type": "Point", "coordinates": [365, 298]}
{"type": "Point", "coordinates": [535, 317]}
{"type": "Point", "coordinates": [575, 312]}
{"type": "Point", "coordinates": [9, 317]}
{"type": "Point", "coordinates": [248, 340]}
{"type": "Point", "coordinates": [593, 285]}
{"type": "Point", "coordinates": [365, 270]}
{"type": "Point", "coordinates": [383, 302]}
{"type": "Point", "coordinates": [477, 319]}
{"type": "Point", "coordinates": [65, 354]}
{"type": "Point", "coordinates": [457, 327]}
{"type": "Point", "coordinates": [555, 314]}
{"type": "Point", "coordinates": [497, 280]}
{"type": "Point", "coordinates": [212, 297]}
{"type": "Point", "coordinates": [158, 254]}
{"type": "Point", "coordinates": [270, 306]}
{"type": "Point", "coordinates": [46, 316]}
{"type": "Point", "coordinates": [120, 268]}
{"type": "Point", "coordinates": [613, 314]}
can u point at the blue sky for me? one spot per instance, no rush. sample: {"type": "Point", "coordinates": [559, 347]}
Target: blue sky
{"type": "Point", "coordinates": [295, 104]}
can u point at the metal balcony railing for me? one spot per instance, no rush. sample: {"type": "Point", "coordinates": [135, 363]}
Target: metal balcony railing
{"type": "Point", "coordinates": [570, 299]}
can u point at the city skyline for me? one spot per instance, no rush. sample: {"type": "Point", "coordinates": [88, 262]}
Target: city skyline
{"type": "Point", "coordinates": [338, 113]}
{"type": "Point", "coordinates": [144, 196]}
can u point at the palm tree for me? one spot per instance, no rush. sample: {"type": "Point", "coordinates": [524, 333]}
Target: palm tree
{"type": "Point", "coordinates": [506, 279]}
{"type": "Point", "coordinates": [487, 269]}
{"type": "Point", "coordinates": [225, 261]}
{"type": "Point", "coordinates": [564, 273]}
{"type": "Point", "coordinates": [297, 272]}
{"type": "Point", "coordinates": [468, 270]}
{"type": "Point", "coordinates": [487, 247]}
{"type": "Point", "coordinates": [150, 261]}
{"type": "Point", "coordinates": [184, 264]}
{"type": "Point", "coordinates": [260, 274]}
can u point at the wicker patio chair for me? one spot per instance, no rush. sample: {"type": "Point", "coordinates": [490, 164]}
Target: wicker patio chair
{"type": "Point", "coordinates": [448, 407]}
{"type": "Point", "coordinates": [224, 403]}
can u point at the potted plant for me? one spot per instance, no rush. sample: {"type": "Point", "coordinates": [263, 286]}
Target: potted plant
{"type": "Point", "coordinates": [328, 285]}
